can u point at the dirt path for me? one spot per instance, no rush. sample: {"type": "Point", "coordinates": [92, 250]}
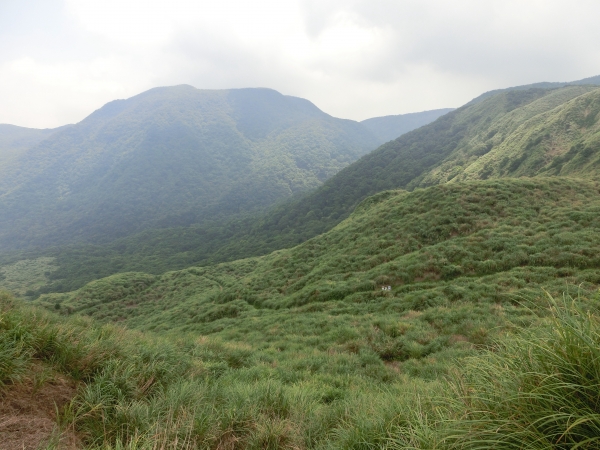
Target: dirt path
{"type": "Point", "coordinates": [28, 415]}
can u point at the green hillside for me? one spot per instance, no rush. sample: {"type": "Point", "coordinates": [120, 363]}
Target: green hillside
{"type": "Point", "coordinates": [564, 140]}
{"type": "Point", "coordinates": [459, 312]}
{"type": "Point", "coordinates": [15, 140]}
{"type": "Point", "coordinates": [460, 259]}
{"type": "Point", "coordinates": [112, 388]}
{"type": "Point", "coordinates": [167, 157]}
{"type": "Point", "coordinates": [464, 141]}
{"type": "Point", "coordinates": [387, 128]}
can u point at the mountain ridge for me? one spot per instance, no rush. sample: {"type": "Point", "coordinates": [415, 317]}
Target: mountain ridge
{"type": "Point", "coordinates": [198, 144]}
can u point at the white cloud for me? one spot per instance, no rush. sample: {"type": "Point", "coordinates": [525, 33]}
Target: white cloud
{"type": "Point", "coordinates": [353, 58]}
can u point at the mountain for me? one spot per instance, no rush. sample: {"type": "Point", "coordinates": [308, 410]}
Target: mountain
{"type": "Point", "coordinates": [514, 133]}
{"type": "Point", "coordinates": [387, 128]}
{"type": "Point", "coordinates": [14, 140]}
{"type": "Point", "coordinates": [170, 156]}
{"type": "Point", "coordinates": [595, 81]}
{"type": "Point", "coordinates": [528, 132]}
{"type": "Point", "coordinates": [424, 319]}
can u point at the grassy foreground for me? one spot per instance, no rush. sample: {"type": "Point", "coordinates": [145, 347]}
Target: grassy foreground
{"type": "Point", "coordinates": [534, 389]}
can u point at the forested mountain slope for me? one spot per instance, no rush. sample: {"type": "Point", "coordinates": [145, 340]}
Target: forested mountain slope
{"type": "Point", "coordinates": [458, 257]}
{"type": "Point", "coordinates": [171, 156]}
{"type": "Point", "coordinates": [387, 128]}
{"type": "Point", "coordinates": [14, 140]}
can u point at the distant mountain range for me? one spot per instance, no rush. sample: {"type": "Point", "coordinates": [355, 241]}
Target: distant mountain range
{"type": "Point", "coordinates": [387, 128]}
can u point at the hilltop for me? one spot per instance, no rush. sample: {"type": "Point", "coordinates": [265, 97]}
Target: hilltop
{"type": "Point", "coordinates": [170, 156]}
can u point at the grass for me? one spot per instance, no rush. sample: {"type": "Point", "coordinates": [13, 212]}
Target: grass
{"type": "Point", "coordinates": [137, 390]}
{"type": "Point", "coordinates": [535, 388]}
{"type": "Point", "coordinates": [25, 276]}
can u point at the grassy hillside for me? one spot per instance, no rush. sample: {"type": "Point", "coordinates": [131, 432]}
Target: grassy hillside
{"type": "Point", "coordinates": [303, 349]}
{"type": "Point", "coordinates": [167, 157]}
{"type": "Point", "coordinates": [455, 143]}
{"type": "Point", "coordinates": [387, 128]}
{"type": "Point", "coordinates": [564, 140]}
{"type": "Point", "coordinates": [118, 389]}
{"type": "Point", "coordinates": [459, 258]}
{"type": "Point", "coordinates": [595, 81]}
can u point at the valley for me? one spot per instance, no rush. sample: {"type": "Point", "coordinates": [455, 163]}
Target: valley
{"type": "Point", "coordinates": [312, 284]}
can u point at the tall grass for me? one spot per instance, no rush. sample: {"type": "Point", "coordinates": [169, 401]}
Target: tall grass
{"type": "Point", "coordinates": [538, 390]}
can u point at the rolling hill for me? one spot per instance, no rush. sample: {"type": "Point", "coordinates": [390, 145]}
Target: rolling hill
{"type": "Point", "coordinates": [459, 312]}
{"type": "Point", "coordinates": [170, 156]}
{"type": "Point", "coordinates": [471, 246]}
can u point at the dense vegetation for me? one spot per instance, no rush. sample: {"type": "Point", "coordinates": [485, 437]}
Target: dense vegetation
{"type": "Point", "coordinates": [170, 157]}
{"type": "Point", "coordinates": [514, 133]}
{"type": "Point", "coordinates": [15, 140]}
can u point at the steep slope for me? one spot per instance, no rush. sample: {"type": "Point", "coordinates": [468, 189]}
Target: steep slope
{"type": "Point", "coordinates": [458, 257]}
{"type": "Point", "coordinates": [456, 144]}
{"type": "Point", "coordinates": [171, 156]}
{"type": "Point", "coordinates": [564, 140]}
{"type": "Point", "coordinates": [387, 128]}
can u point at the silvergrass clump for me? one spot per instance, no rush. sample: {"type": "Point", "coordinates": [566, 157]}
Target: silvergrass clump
{"type": "Point", "coordinates": [537, 390]}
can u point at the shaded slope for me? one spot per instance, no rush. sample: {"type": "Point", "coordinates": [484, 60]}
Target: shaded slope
{"type": "Point", "coordinates": [171, 156]}
{"type": "Point", "coordinates": [445, 250]}
{"type": "Point", "coordinates": [14, 140]}
{"type": "Point", "coordinates": [387, 128]}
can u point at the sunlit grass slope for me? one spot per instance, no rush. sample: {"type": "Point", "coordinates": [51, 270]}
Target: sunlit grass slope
{"type": "Point", "coordinates": [460, 259]}
{"type": "Point", "coordinates": [541, 138]}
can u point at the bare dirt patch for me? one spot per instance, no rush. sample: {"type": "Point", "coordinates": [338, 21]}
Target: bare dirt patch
{"type": "Point", "coordinates": [28, 412]}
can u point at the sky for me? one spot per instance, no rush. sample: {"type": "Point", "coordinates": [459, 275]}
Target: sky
{"type": "Point", "coordinates": [62, 59]}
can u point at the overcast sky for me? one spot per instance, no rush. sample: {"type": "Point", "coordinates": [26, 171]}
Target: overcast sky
{"type": "Point", "coordinates": [62, 59]}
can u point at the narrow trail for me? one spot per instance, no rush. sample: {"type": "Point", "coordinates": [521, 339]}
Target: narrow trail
{"type": "Point", "coordinates": [28, 413]}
